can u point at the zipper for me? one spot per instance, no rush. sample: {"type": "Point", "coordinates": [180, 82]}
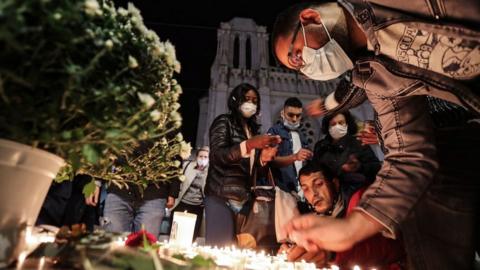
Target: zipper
{"type": "Point", "coordinates": [437, 11]}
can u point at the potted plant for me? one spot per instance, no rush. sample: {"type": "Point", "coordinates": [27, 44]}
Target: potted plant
{"type": "Point", "coordinates": [81, 83]}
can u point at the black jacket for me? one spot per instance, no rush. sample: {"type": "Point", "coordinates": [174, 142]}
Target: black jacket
{"type": "Point", "coordinates": [228, 173]}
{"type": "Point", "coordinates": [335, 155]}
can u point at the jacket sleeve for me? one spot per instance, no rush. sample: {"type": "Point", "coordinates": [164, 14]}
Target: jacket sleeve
{"type": "Point", "coordinates": [221, 149]}
{"type": "Point", "coordinates": [174, 188]}
{"type": "Point", "coordinates": [345, 97]}
{"type": "Point", "coordinates": [411, 159]}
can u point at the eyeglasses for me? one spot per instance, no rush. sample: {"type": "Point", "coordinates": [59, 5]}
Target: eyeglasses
{"type": "Point", "coordinates": [295, 61]}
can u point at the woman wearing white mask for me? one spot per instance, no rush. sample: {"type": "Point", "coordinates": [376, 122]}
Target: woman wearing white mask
{"type": "Point", "coordinates": [233, 140]}
{"type": "Point", "coordinates": [191, 195]}
{"type": "Point", "coordinates": [356, 165]}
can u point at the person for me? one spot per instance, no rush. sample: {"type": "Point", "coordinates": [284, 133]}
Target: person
{"type": "Point", "coordinates": [127, 209]}
{"type": "Point", "coordinates": [417, 64]}
{"type": "Point", "coordinates": [233, 138]}
{"type": "Point", "coordinates": [191, 195]}
{"type": "Point", "coordinates": [328, 197]}
{"type": "Point", "coordinates": [355, 165]}
{"type": "Point", "coordinates": [292, 151]}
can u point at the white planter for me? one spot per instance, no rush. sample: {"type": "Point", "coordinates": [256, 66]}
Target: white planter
{"type": "Point", "coordinates": [25, 177]}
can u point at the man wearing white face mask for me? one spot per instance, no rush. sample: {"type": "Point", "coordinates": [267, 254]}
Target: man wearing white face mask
{"type": "Point", "coordinates": [292, 151]}
{"type": "Point", "coordinates": [417, 63]}
{"type": "Point", "coordinates": [191, 195]}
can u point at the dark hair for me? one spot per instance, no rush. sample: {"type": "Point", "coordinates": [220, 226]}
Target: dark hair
{"type": "Point", "coordinates": [236, 98]}
{"type": "Point", "coordinates": [313, 167]}
{"type": "Point", "coordinates": [287, 21]}
{"type": "Point", "coordinates": [352, 125]}
{"type": "Point", "coordinates": [293, 102]}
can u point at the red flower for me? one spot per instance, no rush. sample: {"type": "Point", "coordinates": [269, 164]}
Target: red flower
{"type": "Point", "coordinates": [136, 239]}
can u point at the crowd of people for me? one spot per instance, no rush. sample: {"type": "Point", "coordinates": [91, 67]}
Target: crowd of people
{"type": "Point", "coordinates": [418, 65]}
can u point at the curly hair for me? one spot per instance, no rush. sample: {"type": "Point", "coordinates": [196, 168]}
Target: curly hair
{"type": "Point", "coordinates": [352, 124]}
{"type": "Point", "coordinates": [236, 98]}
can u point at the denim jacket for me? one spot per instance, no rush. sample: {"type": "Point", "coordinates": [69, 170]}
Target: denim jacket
{"type": "Point", "coordinates": [398, 93]}
{"type": "Point", "coordinates": [287, 176]}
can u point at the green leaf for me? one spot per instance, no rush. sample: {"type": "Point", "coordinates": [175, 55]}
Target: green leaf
{"type": "Point", "coordinates": [90, 153]}
{"type": "Point", "coordinates": [113, 133]}
{"type": "Point", "coordinates": [89, 188]}
{"type": "Point", "coordinates": [67, 134]}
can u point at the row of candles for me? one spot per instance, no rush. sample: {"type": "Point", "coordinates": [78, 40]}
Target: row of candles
{"type": "Point", "coordinates": [181, 243]}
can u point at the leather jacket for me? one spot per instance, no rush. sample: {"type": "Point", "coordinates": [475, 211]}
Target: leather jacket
{"type": "Point", "coordinates": [398, 93]}
{"type": "Point", "coordinates": [229, 172]}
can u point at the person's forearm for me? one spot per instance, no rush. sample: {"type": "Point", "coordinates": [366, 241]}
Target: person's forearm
{"type": "Point", "coordinates": [362, 226]}
{"type": "Point", "coordinates": [282, 161]}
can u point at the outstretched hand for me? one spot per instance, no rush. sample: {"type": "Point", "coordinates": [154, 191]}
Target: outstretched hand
{"type": "Point", "coordinates": [263, 141]}
{"type": "Point", "coordinates": [316, 108]}
{"type": "Point", "coordinates": [316, 233]}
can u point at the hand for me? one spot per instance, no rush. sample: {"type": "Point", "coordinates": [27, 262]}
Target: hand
{"type": "Point", "coordinates": [367, 136]}
{"type": "Point", "coordinates": [303, 154]}
{"type": "Point", "coordinates": [92, 200]}
{"type": "Point", "coordinates": [262, 141]}
{"type": "Point", "coordinates": [297, 253]}
{"type": "Point", "coordinates": [352, 164]}
{"type": "Point", "coordinates": [315, 233]}
{"type": "Point", "coordinates": [316, 108]}
{"type": "Point", "coordinates": [170, 202]}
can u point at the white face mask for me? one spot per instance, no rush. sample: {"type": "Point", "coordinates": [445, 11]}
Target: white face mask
{"type": "Point", "coordinates": [326, 63]}
{"type": "Point", "coordinates": [338, 131]}
{"type": "Point", "coordinates": [290, 125]}
{"type": "Point", "coordinates": [248, 109]}
{"type": "Point", "coordinates": [202, 162]}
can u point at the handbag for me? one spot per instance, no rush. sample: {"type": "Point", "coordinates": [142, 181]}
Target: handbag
{"type": "Point", "coordinates": [255, 223]}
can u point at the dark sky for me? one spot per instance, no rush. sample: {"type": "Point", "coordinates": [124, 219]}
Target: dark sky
{"type": "Point", "coordinates": [192, 28]}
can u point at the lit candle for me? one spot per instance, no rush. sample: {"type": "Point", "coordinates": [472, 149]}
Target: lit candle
{"type": "Point", "coordinates": [183, 226]}
{"type": "Point", "coordinates": [356, 267]}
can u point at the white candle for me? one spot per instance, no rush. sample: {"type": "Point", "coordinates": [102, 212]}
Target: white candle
{"type": "Point", "coordinates": [356, 267]}
{"type": "Point", "coordinates": [21, 259]}
{"type": "Point", "coordinates": [183, 227]}
{"type": "Point", "coordinates": [41, 263]}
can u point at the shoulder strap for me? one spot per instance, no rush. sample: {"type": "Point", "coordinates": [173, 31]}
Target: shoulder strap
{"type": "Point", "coordinates": [186, 166]}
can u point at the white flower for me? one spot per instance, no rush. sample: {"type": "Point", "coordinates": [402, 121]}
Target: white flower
{"type": "Point", "coordinates": [163, 141]}
{"type": "Point", "coordinates": [175, 106]}
{"type": "Point", "coordinates": [178, 89]}
{"type": "Point", "coordinates": [155, 115]}
{"type": "Point", "coordinates": [92, 8]}
{"type": "Point", "coordinates": [146, 99]}
{"type": "Point", "coordinates": [57, 16]}
{"type": "Point", "coordinates": [175, 116]}
{"type": "Point", "coordinates": [177, 66]}
{"type": "Point", "coordinates": [179, 137]}
{"type": "Point", "coordinates": [176, 163]}
{"type": "Point", "coordinates": [109, 44]}
{"type": "Point", "coordinates": [158, 49]}
{"type": "Point", "coordinates": [170, 49]}
{"type": "Point", "coordinates": [132, 62]}
{"type": "Point", "coordinates": [185, 150]}
{"type": "Point", "coordinates": [122, 11]}
{"type": "Point", "coordinates": [182, 178]}
{"type": "Point", "coordinates": [175, 96]}
{"type": "Point", "coordinates": [177, 124]}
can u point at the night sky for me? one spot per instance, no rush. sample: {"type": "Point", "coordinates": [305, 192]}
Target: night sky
{"type": "Point", "coordinates": [192, 28]}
